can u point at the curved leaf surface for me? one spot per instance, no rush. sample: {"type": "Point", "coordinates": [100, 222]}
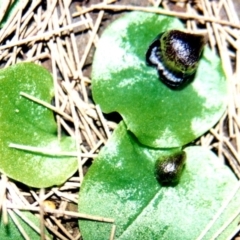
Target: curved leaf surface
{"type": "Point", "coordinates": [121, 185]}
{"type": "Point", "coordinates": [27, 123]}
{"type": "Point", "coordinates": [158, 116]}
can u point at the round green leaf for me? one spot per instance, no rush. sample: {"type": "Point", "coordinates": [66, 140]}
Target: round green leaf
{"type": "Point", "coordinates": [157, 115]}
{"type": "Point", "coordinates": [121, 185]}
{"type": "Point", "coordinates": [27, 123]}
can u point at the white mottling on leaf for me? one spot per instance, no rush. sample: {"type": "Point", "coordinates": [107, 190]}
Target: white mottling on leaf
{"type": "Point", "coordinates": [128, 82]}
{"type": "Point", "coordinates": [113, 54]}
{"type": "Point", "coordinates": [166, 138]}
{"type": "Point", "coordinates": [212, 97]}
{"type": "Point", "coordinates": [111, 149]}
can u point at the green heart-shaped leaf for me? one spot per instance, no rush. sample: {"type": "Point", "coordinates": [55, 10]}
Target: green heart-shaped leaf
{"type": "Point", "coordinates": [158, 116]}
{"type": "Point", "coordinates": [121, 185]}
{"type": "Point", "coordinates": [27, 123]}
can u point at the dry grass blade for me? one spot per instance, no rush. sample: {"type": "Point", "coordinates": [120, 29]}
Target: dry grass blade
{"type": "Point", "coordinates": [226, 224]}
{"type": "Point", "coordinates": [4, 9]}
{"type": "Point", "coordinates": [3, 187]}
{"type": "Point", "coordinates": [65, 213]}
{"type": "Point", "coordinates": [113, 231]}
{"type": "Point", "coordinates": [220, 211]}
{"type": "Point", "coordinates": [21, 230]}
{"type": "Point", "coordinates": [159, 11]}
{"type": "Point", "coordinates": [47, 105]}
{"type": "Point", "coordinates": [50, 152]}
{"type": "Point", "coordinates": [30, 223]}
